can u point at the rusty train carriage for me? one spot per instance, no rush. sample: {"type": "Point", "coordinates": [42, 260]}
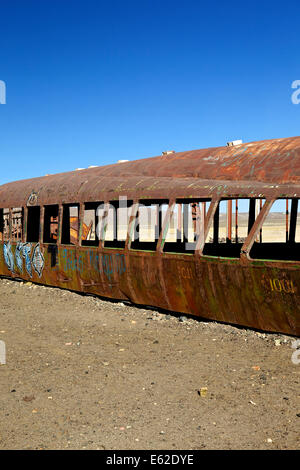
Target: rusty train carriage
{"type": "Point", "coordinates": [242, 281]}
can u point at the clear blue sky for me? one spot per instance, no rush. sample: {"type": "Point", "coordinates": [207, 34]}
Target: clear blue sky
{"type": "Point", "coordinates": [91, 82]}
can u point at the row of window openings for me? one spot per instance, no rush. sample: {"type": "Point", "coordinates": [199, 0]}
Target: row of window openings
{"type": "Point", "coordinates": [232, 223]}
{"type": "Point", "coordinates": [12, 224]}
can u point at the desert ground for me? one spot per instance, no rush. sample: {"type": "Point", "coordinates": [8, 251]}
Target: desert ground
{"type": "Point", "coordinates": [82, 372]}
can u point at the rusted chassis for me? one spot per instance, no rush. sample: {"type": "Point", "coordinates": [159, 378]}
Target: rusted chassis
{"type": "Point", "coordinates": [260, 294]}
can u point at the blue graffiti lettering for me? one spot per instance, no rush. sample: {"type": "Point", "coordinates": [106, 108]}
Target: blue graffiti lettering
{"type": "Point", "coordinates": [38, 261]}
{"type": "Point", "coordinates": [26, 255]}
{"type": "Point", "coordinates": [121, 266]}
{"type": "Point", "coordinates": [19, 256]}
{"type": "Point", "coordinates": [22, 252]}
{"type": "Point", "coordinates": [8, 256]}
{"type": "Point", "coordinates": [71, 263]}
{"type": "Point", "coordinates": [107, 264]}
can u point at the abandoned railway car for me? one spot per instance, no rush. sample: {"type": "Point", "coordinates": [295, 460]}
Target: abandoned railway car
{"type": "Point", "coordinates": [214, 233]}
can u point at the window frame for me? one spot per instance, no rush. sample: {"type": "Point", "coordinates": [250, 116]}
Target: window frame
{"type": "Point", "coordinates": [200, 218]}
{"type": "Point", "coordinates": [246, 254]}
{"type": "Point", "coordinates": [40, 223]}
{"type": "Point", "coordinates": [134, 219]}
{"type": "Point", "coordinates": [253, 228]}
{"type": "Point", "coordinates": [63, 207]}
{"type": "Point", "coordinates": [45, 207]}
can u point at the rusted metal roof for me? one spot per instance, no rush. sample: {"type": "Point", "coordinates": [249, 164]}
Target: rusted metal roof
{"type": "Point", "coordinates": [275, 161]}
{"type": "Point", "coordinates": [267, 168]}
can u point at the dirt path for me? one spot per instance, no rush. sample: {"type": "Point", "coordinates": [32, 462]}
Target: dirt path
{"type": "Point", "coordinates": [83, 373]}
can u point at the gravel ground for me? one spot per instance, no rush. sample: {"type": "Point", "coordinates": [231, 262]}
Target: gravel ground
{"type": "Point", "coordinates": [85, 373]}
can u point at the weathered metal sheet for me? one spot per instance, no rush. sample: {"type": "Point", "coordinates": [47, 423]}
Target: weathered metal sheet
{"type": "Point", "coordinates": [267, 168]}
{"type": "Point", "coordinates": [258, 294]}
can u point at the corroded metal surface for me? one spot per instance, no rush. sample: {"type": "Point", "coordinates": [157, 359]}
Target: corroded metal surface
{"type": "Point", "coordinates": [275, 161]}
{"type": "Point", "coordinates": [267, 167]}
{"type": "Point", "coordinates": [263, 295]}
{"type": "Point", "coordinates": [259, 294]}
